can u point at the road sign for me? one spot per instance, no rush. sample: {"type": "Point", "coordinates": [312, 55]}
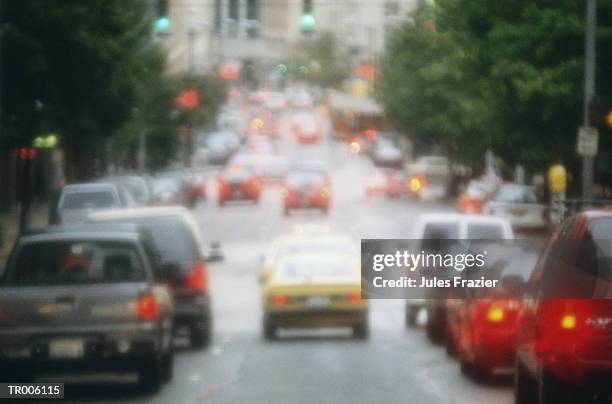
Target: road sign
{"type": "Point", "coordinates": [588, 139]}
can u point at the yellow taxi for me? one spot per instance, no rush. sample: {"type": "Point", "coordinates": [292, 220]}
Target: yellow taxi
{"type": "Point", "coordinates": [315, 290]}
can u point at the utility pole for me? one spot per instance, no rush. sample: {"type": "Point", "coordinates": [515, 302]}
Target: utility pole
{"type": "Point", "coordinates": [588, 162]}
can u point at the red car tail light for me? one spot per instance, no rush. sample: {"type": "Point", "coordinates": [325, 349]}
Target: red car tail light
{"type": "Point", "coordinates": [568, 322]}
{"type": "Point", "coordinates": [147, 308]}
{"type": "Point", "coordinates": [197, 280]}
{"type": "Point", "coordinates": [354, 298]}
{"type": "Point", "coordinates": [495, 314]}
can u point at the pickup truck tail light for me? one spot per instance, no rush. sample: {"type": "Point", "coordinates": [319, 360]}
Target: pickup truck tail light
{"type": "Point", "coordinates": [197, 280]}
{"type": "Point", "coordinates": [147, 307]}
{"type": "Point", "coordinates": [354, 298]}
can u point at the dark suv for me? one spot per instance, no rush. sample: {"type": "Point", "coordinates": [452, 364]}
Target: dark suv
{"type": "Point", "coordinates": [177, 245]}
{"type": "Point", "coordinates": [84, 297]}
{"type": "Point", "coordinates": [564, 351]}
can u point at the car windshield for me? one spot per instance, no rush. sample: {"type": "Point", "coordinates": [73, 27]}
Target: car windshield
{"type": "Point", "coordinates": [87, 200]}
{"type": "Point", "coordinates": [316, 271]}
{"type": "Point", "coordinates": [75, 262]}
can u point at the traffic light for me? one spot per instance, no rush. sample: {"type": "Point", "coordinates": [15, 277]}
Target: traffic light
{"type": "Point", "coordinates": [307, 21]}
{"type": "Point", "coordinates": [162, 25]}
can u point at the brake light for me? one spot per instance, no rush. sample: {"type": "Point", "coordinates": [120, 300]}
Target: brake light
{"type": "Point", "coordinates": [495, 314]}
{"type": "Point", "coordinates": [568, 322]}
{"type": "Point", "coordinates": [280, 300]}
{"type": "Point", "coordinates": [355, 147]}
{"type": "Point", "coordinates": [147, 308]}
{"type": "Point", "coordinates": [324, 192]}
{"type": "Point", "coordinates": [354, 297]}
{"type": "Point", "coordinates": [197, 279]}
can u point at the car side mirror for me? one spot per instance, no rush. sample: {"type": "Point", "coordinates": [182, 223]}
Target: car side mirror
{"type": "Point", "coordinates": [171, 272]}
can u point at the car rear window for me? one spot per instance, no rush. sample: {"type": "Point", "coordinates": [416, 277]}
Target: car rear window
{"type": "Point", "coordinates": [87, 200]}
{"type": "Point", "coordinates": [297, 179]}
{"type": "Point", "coordinates": [484, 232]}
{"type": "Point", "coordinates": [311, 271]}
{"type": "Point", "coordinates": [172, 239]}
{"type": "Point", "coordinates": [441, 231]}
{"type": "Point", "coordinates": [75, 262]}
{"type": "Point", "coordinates": [595, 251]}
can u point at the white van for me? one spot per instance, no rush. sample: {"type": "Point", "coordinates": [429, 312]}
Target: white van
{"type": "Point", "coordinates": [454, 226]}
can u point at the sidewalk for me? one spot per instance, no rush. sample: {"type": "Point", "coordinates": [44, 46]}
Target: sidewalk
{"type": "Point", "coordinates": [10, 227]}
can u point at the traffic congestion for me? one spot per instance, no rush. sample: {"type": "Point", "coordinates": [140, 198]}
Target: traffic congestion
{"type": "Point", "coordinates": [233, 263]}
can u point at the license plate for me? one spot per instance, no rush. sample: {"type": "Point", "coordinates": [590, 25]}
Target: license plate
{"type": "Point", "coordinates": [67, 348]}
{"type": "Point", "coordinates": [318, 301]}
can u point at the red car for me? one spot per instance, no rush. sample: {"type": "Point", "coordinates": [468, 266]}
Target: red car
{"type": "Point", "coordinates": [483, 326]}
{"type": "Point", "coordinates": [238, 183]}
{"type": "Point", "coordinates": [564, 345]}
{"type": "Point", "coordinates": [306, 189]}
{"type": "Point", "coordinates": [474, 197]}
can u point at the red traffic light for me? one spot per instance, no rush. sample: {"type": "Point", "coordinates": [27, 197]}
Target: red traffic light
{"type": "Point", "coordinates": [189, 99]}
{"type": "Point", "coordinates": [25, 153]}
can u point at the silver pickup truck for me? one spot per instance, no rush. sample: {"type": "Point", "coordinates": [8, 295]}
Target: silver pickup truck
{"type": "Point", "coordinates": [84, 298]}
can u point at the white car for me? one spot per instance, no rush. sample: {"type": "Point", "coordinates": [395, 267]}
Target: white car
{"type": "Point", "coordinates": [453, 226]}
{"type": "Point", "coordinates": [519, 205]}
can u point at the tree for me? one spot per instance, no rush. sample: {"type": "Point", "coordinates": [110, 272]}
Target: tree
{"type": "Point", "coordinates": [319, 61]}
{"type": "Point", "coordinates": [74, 68]}
{"type": "Point", "coordinates": [502, 74]}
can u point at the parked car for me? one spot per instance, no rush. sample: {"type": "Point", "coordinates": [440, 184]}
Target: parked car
{"type": "Point", "coordinates": [565, 327]}
{"type": "Point", "coordinates": [85, 298]}
{"type": "Point", "coordinates": [518, 204]}
{"type": "Point", "coordinates": [135, 185]}
{"type": "Point", "coordinates": [76, 201]}
{"type": "Point", "coordinates": [189, 188]}
{"type": "Point", "coordinates": [178, 246]}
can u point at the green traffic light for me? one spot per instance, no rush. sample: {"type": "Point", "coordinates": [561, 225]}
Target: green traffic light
{"type": "Point", "coordinates": [162, 24]}
{"type": "Point", "coordinates": [308, 22]}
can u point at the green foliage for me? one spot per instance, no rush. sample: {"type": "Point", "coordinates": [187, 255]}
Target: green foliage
{"type": "Point", "coordinates": [504, 74]}
{"type": "Point", "coordinates": [319, 61]}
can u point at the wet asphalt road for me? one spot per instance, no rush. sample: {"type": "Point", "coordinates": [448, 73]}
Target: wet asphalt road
{"type": "Point", "coordinates": [394, 365]}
